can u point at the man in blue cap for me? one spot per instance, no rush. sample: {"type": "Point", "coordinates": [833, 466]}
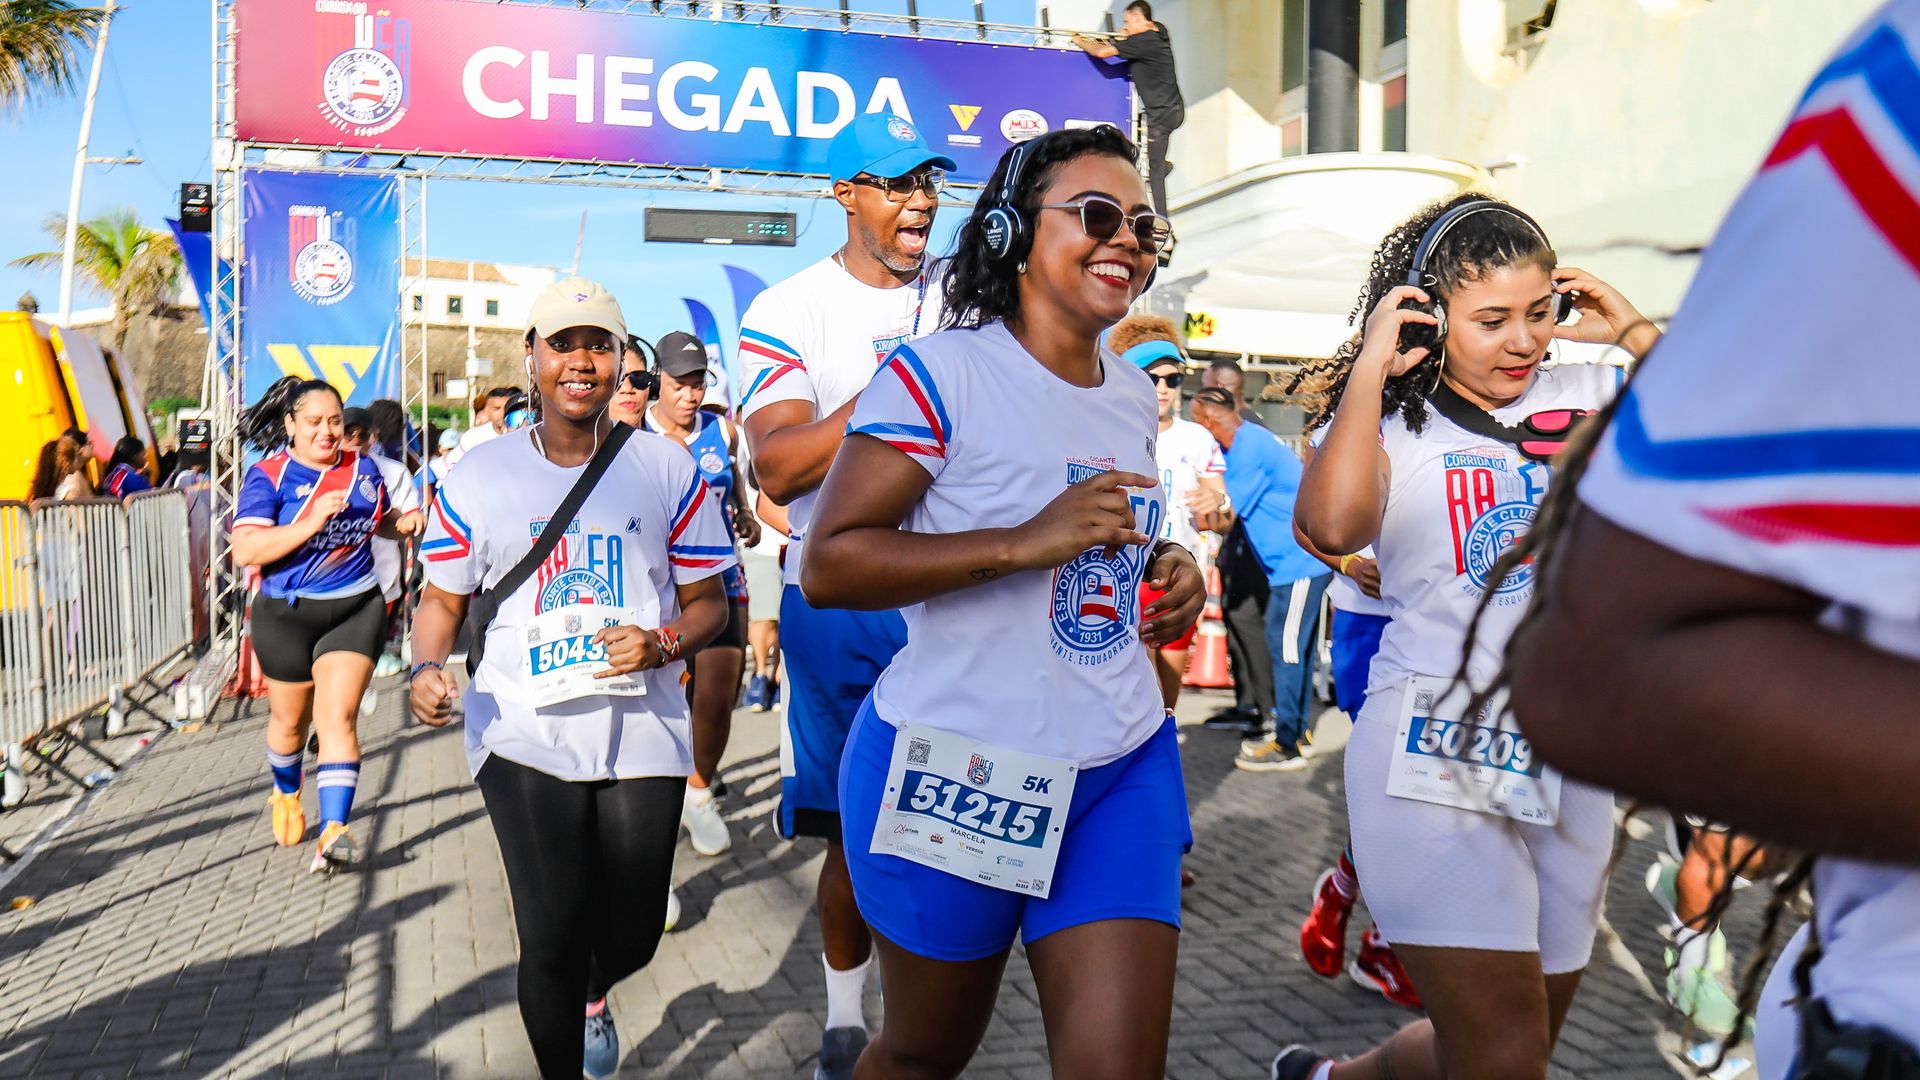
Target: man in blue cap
{"type": "Point", "coordinates": [811, 343]}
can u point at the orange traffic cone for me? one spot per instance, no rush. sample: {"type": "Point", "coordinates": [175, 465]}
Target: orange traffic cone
{"type": "Point", "coordinates": [1207, 664]}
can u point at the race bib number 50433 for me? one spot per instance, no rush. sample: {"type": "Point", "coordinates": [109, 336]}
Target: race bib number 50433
{"type": "Point", "coordinates": [1481, 763]}
{"type": "Point", "coordinates": [560, 657]}
{"type": "Point", "coordinates": [976, 811]}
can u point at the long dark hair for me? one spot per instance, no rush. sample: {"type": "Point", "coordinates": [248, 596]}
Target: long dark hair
{"type": "Point", "coordinates": [60, 457]}
{"type": "Point", "coordinates": [264, 425]}
{"type": "Point", "coordinates": [980, 288]}
{"type": "Point", "coordinates": [1474, 246]}
{"type": "Point", "coordinates": [131, 452]}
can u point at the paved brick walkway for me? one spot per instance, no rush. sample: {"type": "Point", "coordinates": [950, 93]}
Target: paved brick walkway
{"type": "Point", "coordinates": [168, 935]}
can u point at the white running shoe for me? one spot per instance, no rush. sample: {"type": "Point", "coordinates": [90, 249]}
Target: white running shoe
{"type": "Point", "coordinates": [700, 813]}
{"type": "Point", "coordinates": [673, 911]}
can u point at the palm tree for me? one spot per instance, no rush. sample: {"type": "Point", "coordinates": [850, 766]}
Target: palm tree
{"type": "Point", "coordinates": [38, 41]}
{"type": "Point", "coordinates": [138, 267]}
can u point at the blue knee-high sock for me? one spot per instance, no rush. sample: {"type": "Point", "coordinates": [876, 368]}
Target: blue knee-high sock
{"type": "Point", "coordinates": [286, 771]}
{"type": "Point", "coordinates": [337, 780]}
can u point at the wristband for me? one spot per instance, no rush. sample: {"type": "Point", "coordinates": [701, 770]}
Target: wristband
{"type": "Point", "coordinates": [1164, 546]}
{"type": "Point", "coordinates": [422, 666]}
{"type": "Point", "coordinates": [669, 640]}
{"type": "Point", "coordinates": [1346, 561]}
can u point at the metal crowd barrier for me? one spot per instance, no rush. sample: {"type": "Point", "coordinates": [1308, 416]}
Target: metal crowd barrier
{"type": "Point", "coordinates": [95, 596]}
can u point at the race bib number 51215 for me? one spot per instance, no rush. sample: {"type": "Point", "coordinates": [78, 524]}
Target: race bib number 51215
{"type": "Point", "coordinates": [974, 810]}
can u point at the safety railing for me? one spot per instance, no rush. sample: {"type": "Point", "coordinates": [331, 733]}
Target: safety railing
{"type": "Point", "coordinates": [95, 596]}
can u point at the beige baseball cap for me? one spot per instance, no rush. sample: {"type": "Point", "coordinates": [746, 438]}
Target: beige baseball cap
{"type": "Point", "coordinates": [576, 301]}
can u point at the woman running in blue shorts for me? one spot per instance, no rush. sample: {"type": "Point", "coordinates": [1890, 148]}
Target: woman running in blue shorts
{"type": "Point", "coordinates": [1014, 770]}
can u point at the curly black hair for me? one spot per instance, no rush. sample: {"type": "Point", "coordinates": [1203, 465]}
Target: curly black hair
{"type": "Point", "coordinates": [1474, 246]}
{"type": "Point", "coordinates": [264, 425]}
{"type": "Point", "coordinates": [981, 289]}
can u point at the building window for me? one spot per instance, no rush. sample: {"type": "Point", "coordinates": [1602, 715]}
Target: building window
{"type": "Point", "coordinates": [1393, 21]}
{"type": "Point", "coordinates": [1393, 101]}
{"type": "Point", "coordinates": [493, 309]}
{"type": "Point", "coordinates": [1293, 137]}
{"type": "Point", "coordinates": [419, 302]}
{"type": "Point", "coordinates": [1293, 44]}
{"type": "Point", "coordinates": [454, 305]}
{"type": "Point", "coordinates": [437, 383]}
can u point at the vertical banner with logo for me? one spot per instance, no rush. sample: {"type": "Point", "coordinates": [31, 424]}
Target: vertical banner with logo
{"type": "Point", "coordinates": [322, 282]}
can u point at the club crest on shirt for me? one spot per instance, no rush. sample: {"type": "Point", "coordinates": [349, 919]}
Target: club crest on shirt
{"type": "Point", "coordinates": [1095, 598]}
{"type": "Point", "coordinates": [366, 488]}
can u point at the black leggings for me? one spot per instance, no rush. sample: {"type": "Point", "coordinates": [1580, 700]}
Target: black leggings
{"type": "Point", "coordinates": [589, 864]}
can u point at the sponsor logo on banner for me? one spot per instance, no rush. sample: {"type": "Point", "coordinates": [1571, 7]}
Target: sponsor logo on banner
{"type": "Point", "coordinates": [319, 267]}
{"type": "Point", "coordinates": [363, 89]}
{"type": "Point", "coordinates": [1023, 124]}
{"type": "Point", "coordinates": [964, 115]}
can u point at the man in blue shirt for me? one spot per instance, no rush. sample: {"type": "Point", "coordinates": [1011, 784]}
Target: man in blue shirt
{"type": "Point", "coordinates": [1263, 477]}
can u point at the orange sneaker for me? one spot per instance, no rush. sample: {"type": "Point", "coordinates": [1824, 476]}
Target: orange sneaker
{"type": "Point", "coordinates": [289, 820]}
{"type": "Point", "coordinates": [335, 851]}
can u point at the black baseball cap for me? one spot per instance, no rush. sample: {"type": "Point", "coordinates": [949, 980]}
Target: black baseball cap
{"type": "Point", "coordinates": [681, 354]}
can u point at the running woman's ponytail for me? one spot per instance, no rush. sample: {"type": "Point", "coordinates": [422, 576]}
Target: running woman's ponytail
{"type": "Point", "coordinates": [1477, 245]}
{"type": "Point", "coordinates": [263, 425]}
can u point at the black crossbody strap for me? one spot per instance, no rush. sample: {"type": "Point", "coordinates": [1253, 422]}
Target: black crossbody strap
{"type": "Point", "coordinates": [485, 606]}
{"type": "Point", "coordinates": [1448, 403]}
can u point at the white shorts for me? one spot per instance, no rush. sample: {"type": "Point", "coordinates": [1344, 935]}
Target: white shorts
{"type": "Point", "coordinates": [1442, 876]}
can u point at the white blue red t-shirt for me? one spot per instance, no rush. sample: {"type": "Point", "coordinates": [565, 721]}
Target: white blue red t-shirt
{"type": "Point", "coordinates": [818, 337]}
{"type": "Point", "coordinates": [649, 526]}
{"type": "Point", "coordinates": [124, 480]}
{"type": "Point", "coordinates": [336, 561]}
{"type": "Point", "coordinates": [1187, 453]}
{"type": "Point", "coordinates": [1776, 430]}
{"type": "Point", "coordinates": [1042, 661]}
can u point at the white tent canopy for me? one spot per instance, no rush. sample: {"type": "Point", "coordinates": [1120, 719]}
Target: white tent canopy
{"type": "Point", "coordinates": [1271, 259]}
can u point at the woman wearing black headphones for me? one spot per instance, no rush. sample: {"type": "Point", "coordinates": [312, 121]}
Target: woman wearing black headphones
{"type": "Point", "coordinates": [1023, 781]}
{"type": "Point", "coordinates": [1483, 869]}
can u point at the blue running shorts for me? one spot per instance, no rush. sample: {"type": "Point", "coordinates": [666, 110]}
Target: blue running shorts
{"type": "Point", "coordinates": [1127, 828]}
{"type": "Point", "coordinates": [1355, 639]}
{"type": "Point", "coordinates": [832, 658]}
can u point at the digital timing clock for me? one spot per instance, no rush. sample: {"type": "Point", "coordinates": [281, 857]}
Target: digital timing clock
{"type": "Point", "coordinates": [679, 226]}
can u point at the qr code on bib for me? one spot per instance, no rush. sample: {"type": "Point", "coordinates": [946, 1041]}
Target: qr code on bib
{"type": "Point", "coordinates": [1423, 703]}
{"type": "Point", "coordinates": [917, 751]}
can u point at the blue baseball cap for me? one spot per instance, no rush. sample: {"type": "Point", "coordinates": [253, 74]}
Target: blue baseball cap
{"type": "Point", "coordinates": [1148, 353]}
{"type": "Point", "coordinates": [881, 144]}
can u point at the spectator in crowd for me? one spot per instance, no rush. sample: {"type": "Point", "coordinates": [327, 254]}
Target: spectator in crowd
{"type": "Point", "coordinates": [361, 427]}
{"type": "Point", "coordinates": [389, 436]}
{"type": "Point", "coordinates": [127, 469]}
{"type": "Point", "coordinates": [1263, 477]}
{"type": "Point", "coordinates": [1243, 590]}
{"type": "Point", "coordinates": [1148, 50]}
{"type": "Point", "coordinates": [489, 418]}
{"type": "Point", "coordinates": [62, 470]}
{"type": "Point", "coordinates": [638, 385]}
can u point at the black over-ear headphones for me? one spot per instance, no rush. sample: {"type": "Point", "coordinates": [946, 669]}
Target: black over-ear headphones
{"type": "Point", "coordinates": [1003, 230]}
{"type": "Point", "coordinates": [1421, 336]}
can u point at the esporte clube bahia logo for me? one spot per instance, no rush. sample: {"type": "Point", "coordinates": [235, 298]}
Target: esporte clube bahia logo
{"type": "Point", "coordinates": [363, 89]}
{"type": "Point", "coordinates": [320, 267]}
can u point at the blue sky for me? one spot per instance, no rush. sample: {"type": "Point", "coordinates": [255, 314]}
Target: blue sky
{"type": "Point", "coordinates": [155, 103]}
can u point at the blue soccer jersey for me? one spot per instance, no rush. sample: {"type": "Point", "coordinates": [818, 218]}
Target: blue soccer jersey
{"type": "Point", "coordinates": [337, 560]}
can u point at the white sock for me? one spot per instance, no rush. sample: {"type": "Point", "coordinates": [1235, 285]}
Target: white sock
{"type": "Point", "coordinates": [1693, 949]}
{"type": "Point", "coordinates": [844, 991]}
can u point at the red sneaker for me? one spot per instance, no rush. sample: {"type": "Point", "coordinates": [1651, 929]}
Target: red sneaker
{"type": "Point", "coordinates": [1376, 968]}
{"type": "Point", "coordinates": [1323, 937]}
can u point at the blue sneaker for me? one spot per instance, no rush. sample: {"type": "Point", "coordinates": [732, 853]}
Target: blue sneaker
{"type": "Point", "coordinates": [602, 1055]}
{"type": "Point", "coordinates": [757, 697]}
{"type": "Point", "coordinates": [839, 1048]}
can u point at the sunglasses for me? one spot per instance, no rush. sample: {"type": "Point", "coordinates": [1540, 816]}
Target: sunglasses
{"type": "Point", "coordinates": [1546, 433]}
{"type": "Point", "coordinates": [1102, 219]}
{"type": "Point", "coordinates": [901, 188]}
{"type": "Point", "coordinates": [640, 381]}
{"type": "Point", "coordinates": [1169, 379]}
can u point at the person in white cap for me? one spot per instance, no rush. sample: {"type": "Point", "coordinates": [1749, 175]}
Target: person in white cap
{"type": "Point", "coordinates": [576, 726]}
{"type": "Point", "coordinates": [811, 344]}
